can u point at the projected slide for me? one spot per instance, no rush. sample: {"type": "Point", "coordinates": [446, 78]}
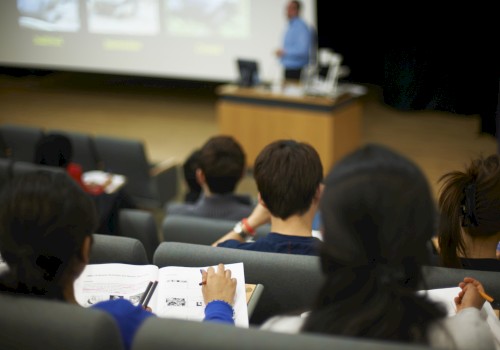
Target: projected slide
{"type": "Point", "coordinates": [49, 15]}
{"type": "Point", "coordinates": [187, 39]}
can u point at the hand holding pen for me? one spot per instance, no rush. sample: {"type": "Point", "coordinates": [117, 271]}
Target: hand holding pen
{"type": "Point", "coordinates": [218, 285]}
{"type": "Point", "coordinates": [471, 295]}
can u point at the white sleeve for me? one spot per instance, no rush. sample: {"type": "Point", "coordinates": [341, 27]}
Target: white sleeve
{"type": "Point", "coordinates": [466, 330]}
{"type": "Point", "coordinates": [284, 324]}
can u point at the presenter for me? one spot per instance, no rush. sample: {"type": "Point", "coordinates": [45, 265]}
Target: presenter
{"type": "Point", "coordinates": [294, 55]}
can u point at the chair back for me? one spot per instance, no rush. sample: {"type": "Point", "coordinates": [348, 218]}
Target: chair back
{"type": "Point", "coordinates": [444, 277]}
{"type": "Point", "coordinates": [21, 141]}
{"type": "Point", "coordinates": [290, 281]}
{"type": "Point", "coordinates": [21, 168]}
{"type": "Point", "coordinates": [5, 171]}
{"type": "Point", "coordinates": [141, 225]}
{"type": "Point", "coordinates": [117, 249]}
{"type": "Point", "coordinates": [162, 333]}
{"type": "Point", "coordinates": [127, 157]}
{"type": "Point", "coordinates": [191, 229]}
{"type": "Point", "coordinates": [39, 324]}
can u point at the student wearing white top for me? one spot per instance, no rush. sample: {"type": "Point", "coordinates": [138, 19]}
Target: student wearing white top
{"type": "Point", "coordinates": [378, 214]}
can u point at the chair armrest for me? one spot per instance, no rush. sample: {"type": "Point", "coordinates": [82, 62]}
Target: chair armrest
{"type": "Point", "coordinates": [165, 174]}
{"type": "Point", "coordinates": [162, 166]}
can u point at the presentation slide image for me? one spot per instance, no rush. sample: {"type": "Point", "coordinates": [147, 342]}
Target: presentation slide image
{"type": "Point", "coordinates": [130, 17]}
{"type": "Point", "coordinates": [207, 18]}
{"type": "Point", "coordinates": [49, 15]}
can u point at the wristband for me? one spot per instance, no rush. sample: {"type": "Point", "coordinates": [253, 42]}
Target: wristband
{"type": "Point", "coordinates": [249, 228]}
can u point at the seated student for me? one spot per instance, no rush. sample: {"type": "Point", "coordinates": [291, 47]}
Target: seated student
{"type": "Point", "coordinates": [469, 228]}
{"type": "Point", "coordinates": [57, 150]}
{"type": "Point", "coordinates": [46, 225]}
{"type": "Point", "coordinates": [189, 170]}
{"type": "Point", "coordinates": [288, 176]}
{"type": "Point", "coordinates": [221, 166]}
{"type": "Point", "coordinates": [378, 214]}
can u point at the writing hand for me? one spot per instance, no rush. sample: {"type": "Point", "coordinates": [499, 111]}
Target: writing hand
{"type": "Point", "coordinates": [219, 285]}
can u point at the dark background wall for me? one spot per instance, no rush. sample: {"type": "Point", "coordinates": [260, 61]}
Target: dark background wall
{"type": "Point", "coordinates": [421, 59]}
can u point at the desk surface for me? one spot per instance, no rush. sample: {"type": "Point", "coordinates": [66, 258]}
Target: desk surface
{"type": "Point", "coordinates": [266, 94]}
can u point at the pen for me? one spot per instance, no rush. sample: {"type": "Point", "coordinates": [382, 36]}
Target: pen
{"type": "Point", "coordinates": [145, 294]}
{"type": "Point", "coordinates": [151, 292]}
{"type": "Point", "coordinates": [486, 296]}
{"type": "Point", "coordinates": [202, 282]}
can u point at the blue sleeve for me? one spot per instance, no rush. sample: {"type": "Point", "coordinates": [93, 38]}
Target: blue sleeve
{"type": "Point", "coordinates": [219, 311]}
{"type": "Point", "coordinates": [127, 316]}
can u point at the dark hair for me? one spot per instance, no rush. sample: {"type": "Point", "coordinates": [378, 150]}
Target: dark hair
{"type": "Point", "coordinates": [189, 169]}
{"type": "Point", "coordinates": [44, 218]}
{"type": "Point", "coordinates": [378, 214]}
{"type": "Point", "coordinates": [222, 160]}
{"type": "Point", "coordinates": [288, 174]}
{"type": "Point", "coordinates": [297, 4]}
{"type": "Point", "coordinates": [469, 201]}
{"type": "Point", "coordinates": [53, 150]}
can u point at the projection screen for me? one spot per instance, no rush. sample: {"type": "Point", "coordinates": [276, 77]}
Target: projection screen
{"type": "Point", "coordinates": [185, 39]}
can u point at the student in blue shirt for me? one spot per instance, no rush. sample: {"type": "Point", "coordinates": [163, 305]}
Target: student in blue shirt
{"type": "Point", "coordinates": [288, 175]}
{"type": "Point", "coordinates": [46, 225]}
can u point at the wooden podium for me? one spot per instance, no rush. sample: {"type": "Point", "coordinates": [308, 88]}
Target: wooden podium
{"type": "Point", "coordinates": [258, 116]}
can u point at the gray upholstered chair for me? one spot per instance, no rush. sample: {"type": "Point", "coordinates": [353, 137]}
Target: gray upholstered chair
{"type": "Point", "coordinates": [140, 224]}
{"type": "Point", "coordinates": [84, 152]}
{"type": "Point", "coordinates": [21, 141]}
{"type": "Point", "coordinates": [20, 168]}
{"type": "Point", "coordinates": [444, 277]}
{"type": "Point", "coordinates": [35, 323]}
{"type": "Point", "coordinates": [150, 186]}
{"type": "Point", "coordinates": [190, 229]}
{"type": "Point", "coordinates": [5, 171]}
{"type": "Point", "coordinates": [162, 333]}
{"type": "Point", "coordinates": [117, 249]}
{"type": "Point", "coordinates": [290, 281]}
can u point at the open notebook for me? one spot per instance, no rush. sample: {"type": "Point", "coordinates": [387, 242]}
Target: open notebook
{"type": "Point", "coordinates": [177, 295]}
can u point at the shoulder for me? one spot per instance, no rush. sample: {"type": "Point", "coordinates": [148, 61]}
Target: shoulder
{"type": "Point", "coordinates": [122, 308]}
{"type": "Point", "coordinates": [180, 208]}
{"type": "Point", "coordinates": [284, 324]}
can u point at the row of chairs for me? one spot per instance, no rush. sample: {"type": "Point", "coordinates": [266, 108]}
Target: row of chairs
{"type": "Point", "coordinates": [36, 323]}
{"type": "Point", "coordinates": [282, 275]}
{"type": "Point", "coordinates": [141, 225]}
{"type": "Point", "coordinates": [150, 185]}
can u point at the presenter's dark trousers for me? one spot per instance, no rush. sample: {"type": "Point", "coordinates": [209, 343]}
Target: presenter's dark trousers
{"type": "Point", "coordinates": [293, 74]}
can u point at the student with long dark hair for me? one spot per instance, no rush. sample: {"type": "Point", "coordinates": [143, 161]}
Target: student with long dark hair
{"type": "Point", "coordinates": [469, 228]}
{"type": "Point", "coordinates": [46, 225]}
{"type": "Point", "coordinates": [378, 214]}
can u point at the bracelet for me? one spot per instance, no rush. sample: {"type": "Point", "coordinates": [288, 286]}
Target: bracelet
{"type": "Point", "coordinates": [249, 228]}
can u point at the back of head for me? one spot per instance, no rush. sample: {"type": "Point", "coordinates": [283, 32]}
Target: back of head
{"type": "Point", "coordinates": [288, 174]}
{"type": "Point", "coordinates": [189, 170]}
{"type": "Point", "coordinates": [469, 201]}
{"type": "Point", "coordinates": [378, 214]}
{"type": "Point", "coordinates": [222, 160]}
{"type": "Point", "coordinates": [44, 219]}
{"type": "Point", "coordinates": [53, 150]}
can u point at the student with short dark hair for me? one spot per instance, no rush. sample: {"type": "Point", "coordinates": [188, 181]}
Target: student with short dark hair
{"type": "Point", "coordinates": [288, 176]}
{"type": "Point", "coordinates": [46, 225]}
{"type": "Point", "coordinates": [220, 166]}
{"type": "Point", "coordinates": [469, 227]}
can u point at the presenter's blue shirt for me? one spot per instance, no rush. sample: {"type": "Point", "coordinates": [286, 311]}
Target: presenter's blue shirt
{"type": "Point", "coordinates": [297, 44]}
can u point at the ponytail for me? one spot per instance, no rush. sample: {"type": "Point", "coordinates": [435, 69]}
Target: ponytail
{"type": "Point", "coordinates": [451, 206]}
